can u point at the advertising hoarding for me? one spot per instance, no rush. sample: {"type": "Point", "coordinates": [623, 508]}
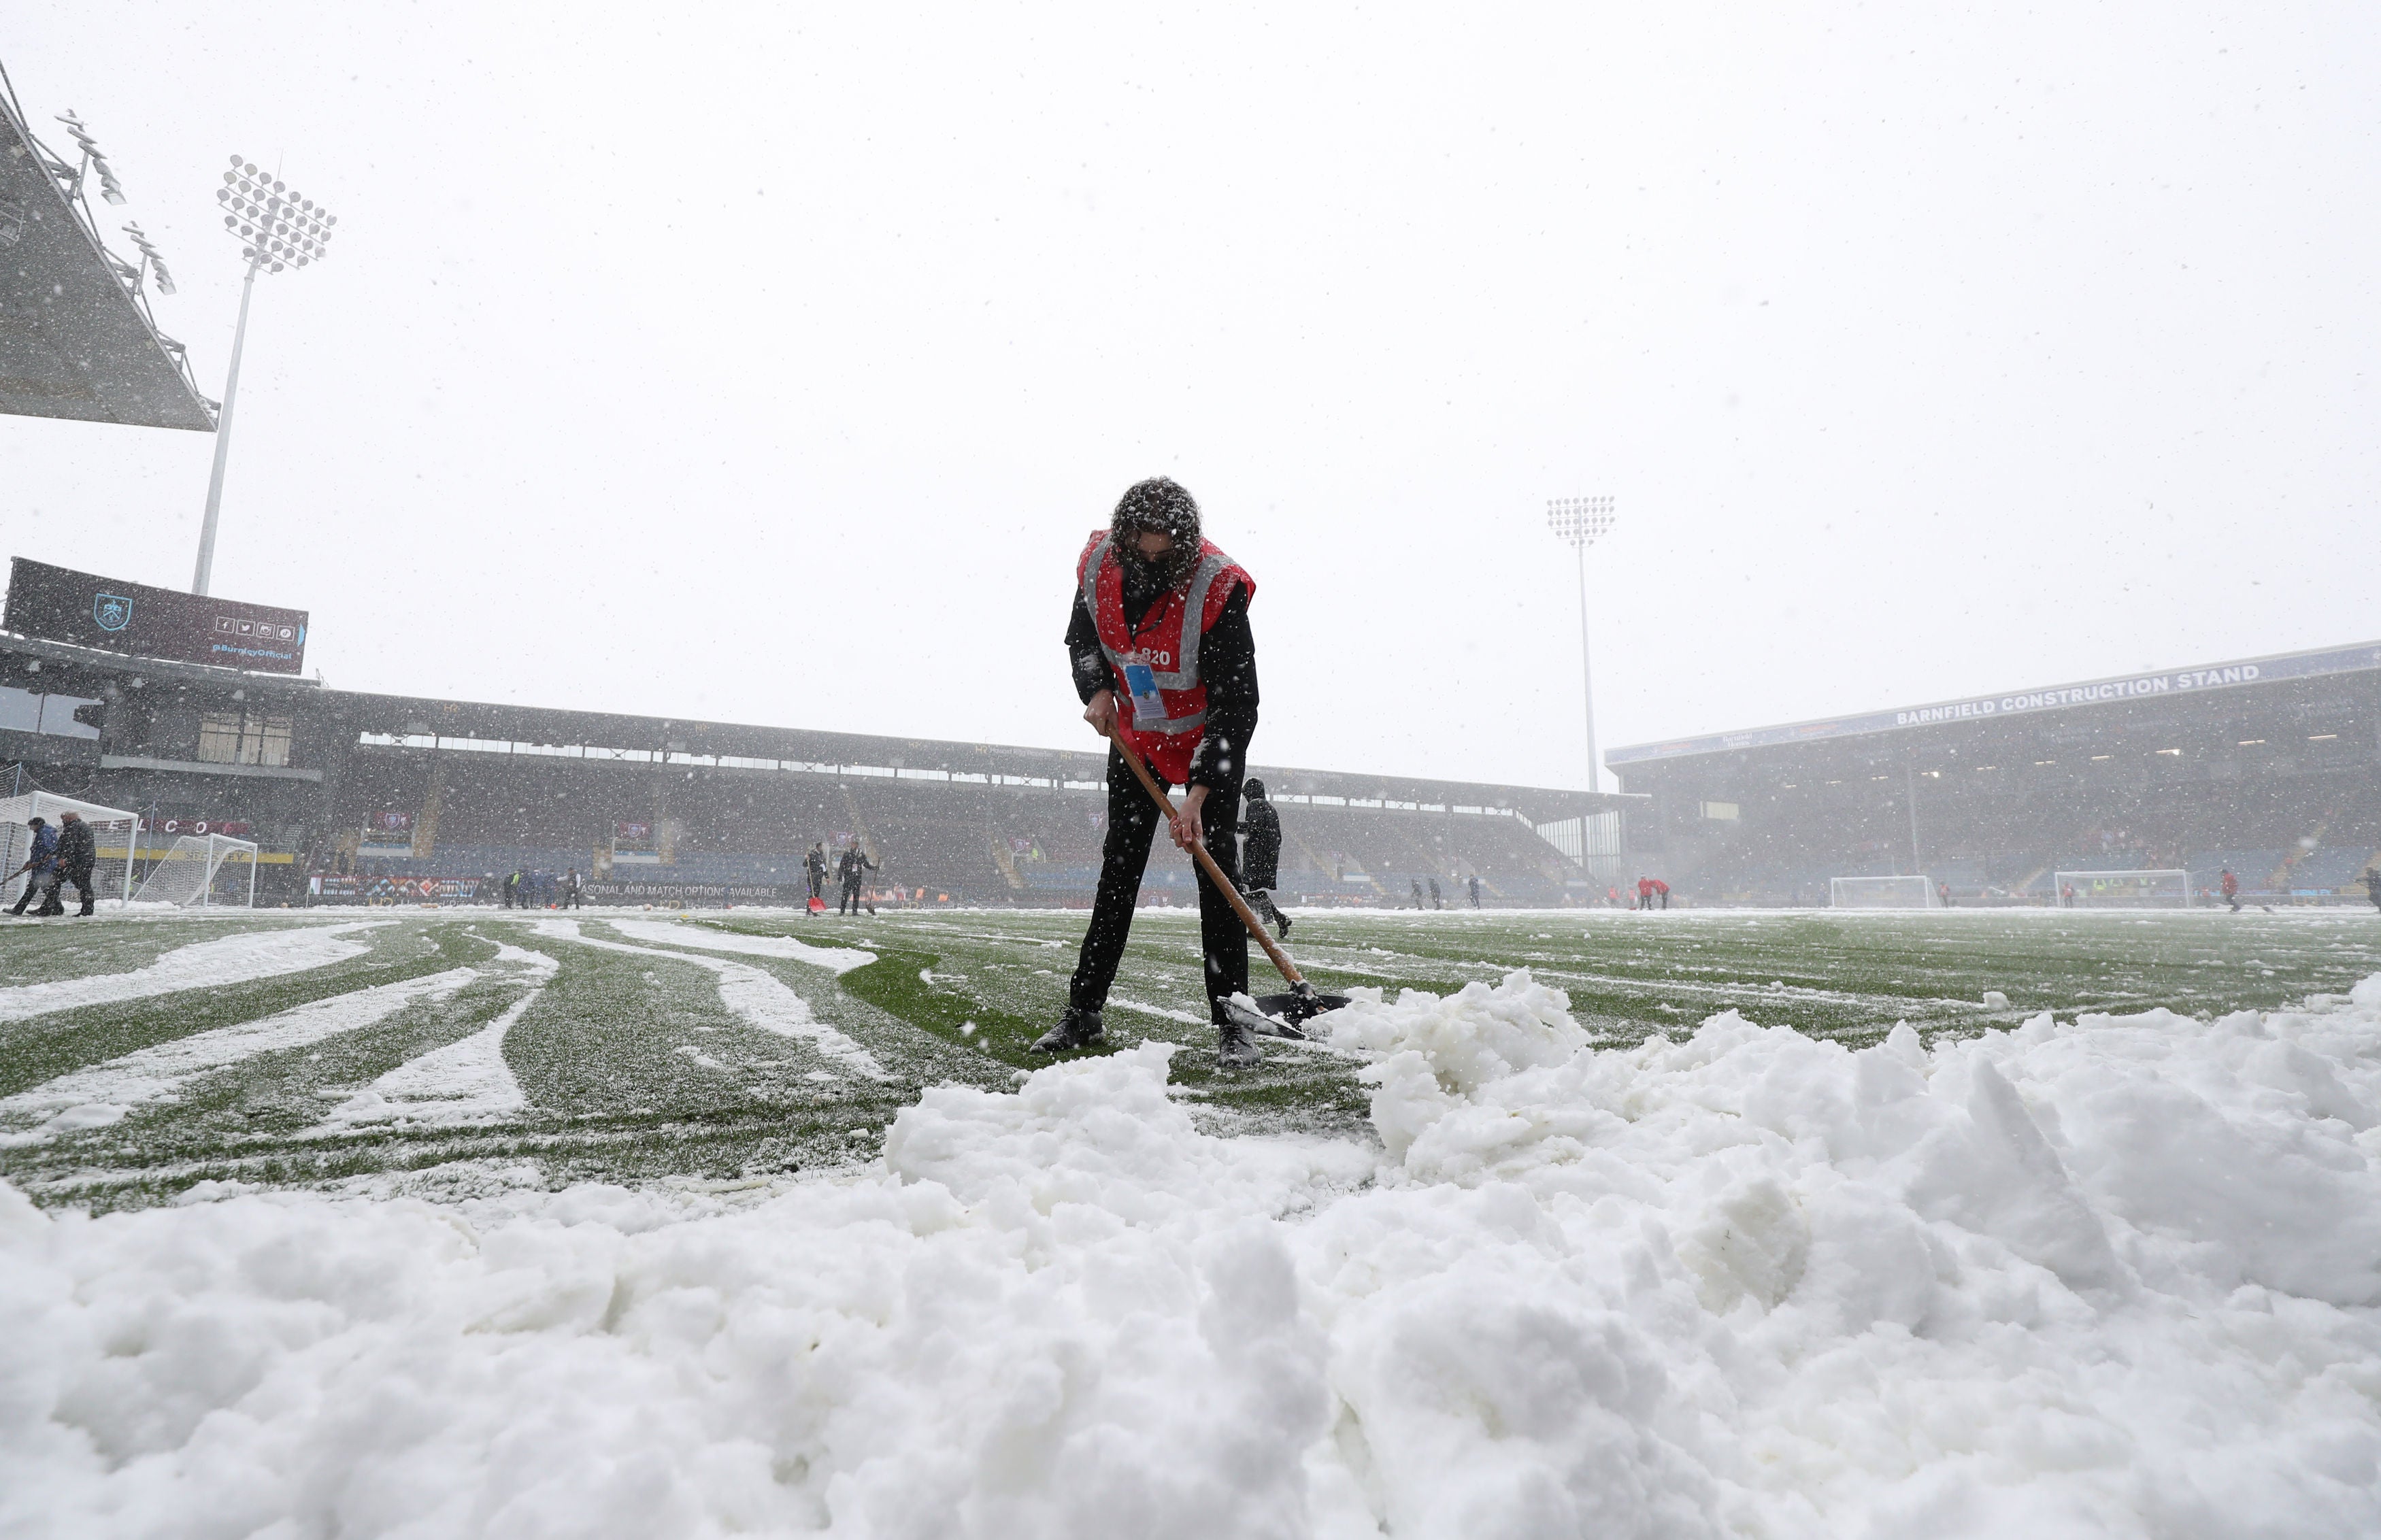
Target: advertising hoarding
{"type": "Point", "coordinates": [59, 603]}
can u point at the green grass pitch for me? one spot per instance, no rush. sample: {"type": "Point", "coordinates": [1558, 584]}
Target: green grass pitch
{"type": "Point", "coordinates": [629, 1062]}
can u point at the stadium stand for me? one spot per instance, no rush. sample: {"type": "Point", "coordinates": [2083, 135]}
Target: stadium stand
{"type": "Point", "coordinates": [354, 794]}
{"type": "Point", "coordinates": [2268, 766]}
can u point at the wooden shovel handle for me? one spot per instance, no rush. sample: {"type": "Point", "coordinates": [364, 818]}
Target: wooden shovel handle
{"type": "Point", "coordinates": [1215, 873]}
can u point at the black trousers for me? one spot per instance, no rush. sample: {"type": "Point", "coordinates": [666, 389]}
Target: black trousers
{"type": "Point", "coordinates": [850, 904]}
{"type": "Point", "coordinates": [1132, 821]}
{"type": "Point", "coordinates": [81, 878]}
{"type": "Point", "coordinates": [37, 886]}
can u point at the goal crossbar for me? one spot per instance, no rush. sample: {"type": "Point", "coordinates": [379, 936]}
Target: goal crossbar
{"type": "Point", "coordinates": [1917, 892]}
{"type": "Point", "coordinates": [2158, 889]}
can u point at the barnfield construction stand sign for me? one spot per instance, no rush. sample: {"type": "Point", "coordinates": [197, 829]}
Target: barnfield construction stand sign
{"type": "Point", "coordinates": [2268, 671]}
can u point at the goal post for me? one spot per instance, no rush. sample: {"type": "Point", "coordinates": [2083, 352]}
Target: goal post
{"type": "Point", "coordinates": [115, 831]}
{"type": "Point", "coordinates": [1882, 893]}
{"type": "Point", "coordinates": [202, 871]}
{"type": "Point", "coordinates": [2144, 889]}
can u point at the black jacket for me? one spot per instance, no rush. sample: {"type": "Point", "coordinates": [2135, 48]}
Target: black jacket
{"type": "Point", "coordinates": [851, 864]}
{"type": "Point", "coordinates": [1228, 666]}
{"type": "Point", "coordinates": [1260, 852]}
{"type": "Point", "coordinates": [77, 848]}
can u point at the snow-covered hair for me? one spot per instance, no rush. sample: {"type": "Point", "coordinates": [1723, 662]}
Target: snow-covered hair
{"type": "Point", "coordinates": [1159, 503]}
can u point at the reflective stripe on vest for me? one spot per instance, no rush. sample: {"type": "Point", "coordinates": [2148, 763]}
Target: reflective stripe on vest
{"type": "Point", "coordinates": [1194, 605]}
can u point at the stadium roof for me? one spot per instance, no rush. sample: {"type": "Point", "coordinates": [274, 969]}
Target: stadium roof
{"type": "Point", "coordinates": [466, 723]}
{"type": "Point", "coordinates": [427, 722]}
{"type": "Point", "coordinates": [2130, 687]}
{"type": "Point", "coordinates": [74, 339]}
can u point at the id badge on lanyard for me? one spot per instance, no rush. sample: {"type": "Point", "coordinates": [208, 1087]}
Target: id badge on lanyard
{"type": "Point", "coordinates": [1141, 683]}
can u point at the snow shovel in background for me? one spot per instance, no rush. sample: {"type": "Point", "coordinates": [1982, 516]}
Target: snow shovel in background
{"type": "Point", "coordinates": [1282, 1015]}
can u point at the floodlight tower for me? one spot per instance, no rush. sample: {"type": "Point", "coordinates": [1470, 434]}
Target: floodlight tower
{"type": "Point", "coordinates": [1580, 522]}
{"type": "Point", "coordinates": [281, 229]}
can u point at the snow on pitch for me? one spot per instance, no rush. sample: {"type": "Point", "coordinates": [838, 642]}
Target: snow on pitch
{"type": "Point", "coordinates": [207, 964]}
{"type": "Point", "coordinates": [467, 1081]}
{"type": "Point", "coordinates": [2110, 1277]}
{"type": "Point", "coordinates": [842, 959]}
{"type": "Point", "coordinates": [101, 1093]}
{"type": "Point", "coordinates": [755, 996]}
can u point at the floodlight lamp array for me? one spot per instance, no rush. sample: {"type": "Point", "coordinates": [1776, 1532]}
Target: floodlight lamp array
{"type": "Point", "coordinates": [152, 260]}
{"type": "Point", "coordinates": [1580, 520]}
{"type": "Point", "coordinates": [109, 188]}
{"type": "Point", "coordinates": [280, 227]}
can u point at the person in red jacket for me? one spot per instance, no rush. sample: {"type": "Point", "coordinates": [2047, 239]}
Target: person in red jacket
{"type": "Point", "coordinates": [1160, 651]}
{"type": "Point", "coordinates": [1661, 891]}
{"type": "Point", "coordinates": [2231, 889]}
{"type": "Point", "coordinates": [1644, 893]}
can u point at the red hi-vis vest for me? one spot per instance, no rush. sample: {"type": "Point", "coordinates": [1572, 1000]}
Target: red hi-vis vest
{"type": "Point", "coordinates": [1169, 636]}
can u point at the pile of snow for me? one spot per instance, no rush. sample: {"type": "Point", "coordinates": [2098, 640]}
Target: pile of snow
{"type": "Point", "coordinates": [2113, 1277]}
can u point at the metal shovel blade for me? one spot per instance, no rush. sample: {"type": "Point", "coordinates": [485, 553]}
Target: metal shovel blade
{"type": "Point", "coordinates": [1285, 1015]}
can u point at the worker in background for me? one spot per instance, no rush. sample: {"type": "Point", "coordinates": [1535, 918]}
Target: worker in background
{"type": "Point", "coordinates": [40, 866]}
{"type": "Point", "coordinates": [78, 851]}
{"type": "Point", "coordinates": [1261, 855]}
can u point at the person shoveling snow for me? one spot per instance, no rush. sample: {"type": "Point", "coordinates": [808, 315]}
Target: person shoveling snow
{"type": "Point", "coordinates": [1161, 617]}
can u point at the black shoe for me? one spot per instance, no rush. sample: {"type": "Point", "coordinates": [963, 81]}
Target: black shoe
{"type": "Point", "coordinates": [1284, 932]}
{"type": "Point", "coordinates": [1236, 1046]}
{"type": "Point", "coordinates": [1078, 1029]}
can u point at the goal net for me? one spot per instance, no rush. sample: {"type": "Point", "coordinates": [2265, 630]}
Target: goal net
{"type": "Point", "coordinates": [201, 870]}
{"type": "Point", "coordinates": [2121, 889]}
{"type": "Point", "coordinates": [1882, 893]}
{"type": "Point", "coordinates": [112, 841]}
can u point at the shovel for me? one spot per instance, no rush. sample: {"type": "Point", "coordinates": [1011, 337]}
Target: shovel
{"type": "Point", "coordinates": [1277, 1015]}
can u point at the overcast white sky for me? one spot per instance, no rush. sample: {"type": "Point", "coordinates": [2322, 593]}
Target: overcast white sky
{"type": "Point", "coordinates": [770, 364]}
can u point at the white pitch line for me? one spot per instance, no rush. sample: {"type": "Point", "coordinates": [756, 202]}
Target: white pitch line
{"type": "Point", "coordinates": [843, 960]}
{"type": "Point", "coordinates": [204, 964]}
{"type": "Point", "coordinates": [99, 1094]}
{"type": "Point", "coordinates": [467, 1081]}
{"type": "Point", "coordinates": [757, 995]}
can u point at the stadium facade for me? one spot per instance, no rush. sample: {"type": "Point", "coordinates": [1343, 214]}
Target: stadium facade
{"type": "Point", "coordinates": [354, 795]}
{"type": "Point", "coordinates": [2269, 767]}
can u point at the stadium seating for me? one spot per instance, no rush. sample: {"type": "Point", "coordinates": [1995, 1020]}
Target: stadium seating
{"type": "Point", "coordinates": [976, 841]}
{"type": "Point", "coordinates": [2006, 849]}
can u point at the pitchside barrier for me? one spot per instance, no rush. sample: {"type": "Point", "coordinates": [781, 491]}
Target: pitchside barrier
{"type": "Point", "coordinates": [2158, 889]}
{"type": "Point", "coordinates": [1882, 893]}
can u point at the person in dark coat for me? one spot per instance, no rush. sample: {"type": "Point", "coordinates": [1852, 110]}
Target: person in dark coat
{"type": "Point", "coordinates": [1261, 855]}
{"type": "Point", "coordinates": [1475, 890]}
{"type": "Point", "coordinates": [1435, 901]}
{"type": "Point", "coordinates": [1417, 893]}
{"type": "Point", "coordinates": [814, 868]}
{"type": "Point", "coordinates": [853, 866]}
{"type": "Point", "coordinates": [78, 851]}
{"type": "Point", "coordinates": [2372, 884]}
{"type": "Point", "coordinates": [39, 866]}
{"type": "Point", "coordinates": [570, 898]}
{"type": "Point", "coordinates": [1161, 655]}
